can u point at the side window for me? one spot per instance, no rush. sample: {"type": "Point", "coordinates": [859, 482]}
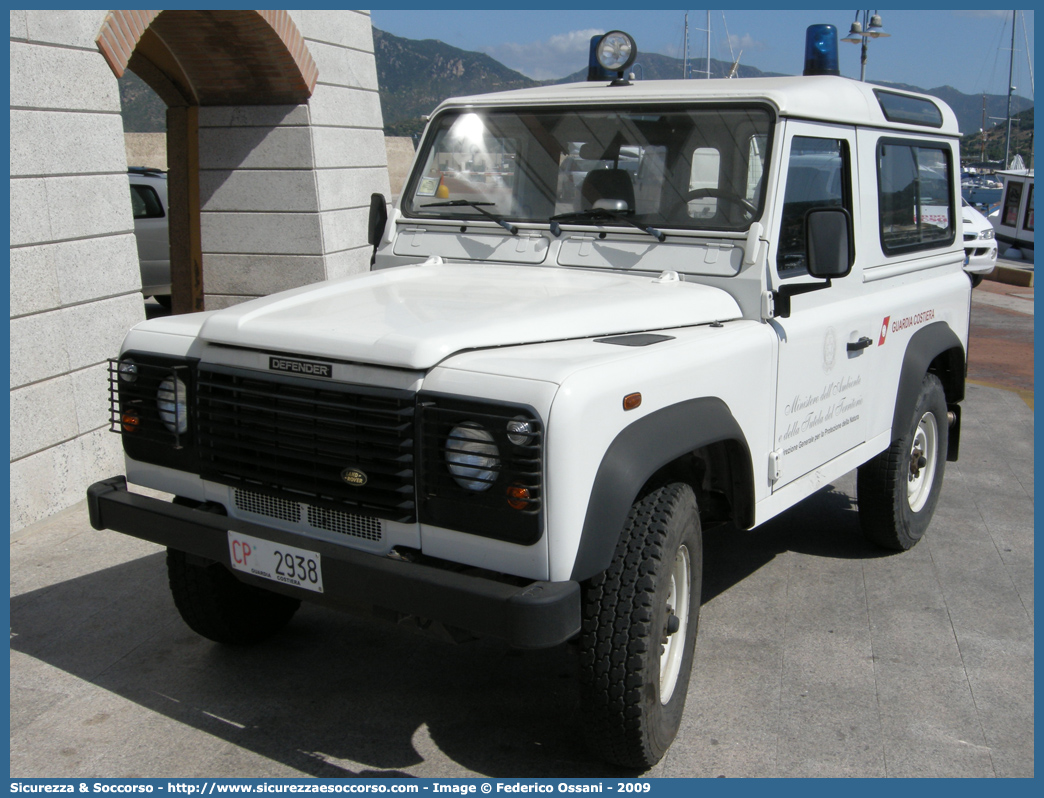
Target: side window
{"type": "Point", "coordinates": [145, 203]}
{"type": "Point", "coordinates": [914, 197]}
{"type": "Point", "coordinates": [817, 177]}
{"type": "Point", "coordinates": [1028, 221]}
{"type": "Point", "coordinates": [1012, 198]}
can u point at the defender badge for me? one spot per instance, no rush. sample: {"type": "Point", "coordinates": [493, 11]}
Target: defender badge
{"type": "Point", "coordinates": [353, 476]}
{"type": "Point", "coordinates": [300, 367]}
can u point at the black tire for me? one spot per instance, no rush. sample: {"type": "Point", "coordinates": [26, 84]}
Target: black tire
{"type": "Point", "coordinates": [976, 279]}
{"type": "Point", "coordinates": [163, 300]}
{"type": "Point", "coordinates": [218, 606]}
{"type": "Point", "coordinates": [897, 493]}
{"type": "Point", "coordinates": [625, 632]}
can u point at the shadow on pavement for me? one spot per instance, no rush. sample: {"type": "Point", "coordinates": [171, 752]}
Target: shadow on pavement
{"type": "Point", "coordinates": [826, 524]}
{"type": "Point", "coordinates": [334, 689]}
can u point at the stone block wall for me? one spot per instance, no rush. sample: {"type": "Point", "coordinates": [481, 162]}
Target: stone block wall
{"type": "Point", "coordinates": [75, 284]}
{"type": "Point", "coordinates": [285, 190]}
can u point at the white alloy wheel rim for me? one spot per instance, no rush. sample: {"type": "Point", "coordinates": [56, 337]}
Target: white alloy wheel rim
{"type": "Point", "coordinates": [673, 645]}
{"type": "Point", "coordinates": [921, 477]}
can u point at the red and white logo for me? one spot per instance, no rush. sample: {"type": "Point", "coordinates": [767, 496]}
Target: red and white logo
{"type": "Point", "coordinates": [884, 331]}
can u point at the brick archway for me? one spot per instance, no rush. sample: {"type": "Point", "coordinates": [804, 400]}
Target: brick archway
{"type": "Point", "coordinates": [215, 57]}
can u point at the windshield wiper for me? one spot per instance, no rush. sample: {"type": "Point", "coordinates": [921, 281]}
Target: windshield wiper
{"type": "Point", "coordinates": [478, 207]}
{"type": "Point", "coordinates": [596, 214]}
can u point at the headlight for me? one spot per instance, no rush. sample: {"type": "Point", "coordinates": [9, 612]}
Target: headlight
{"type": "Point", "coordinates": [472, 457]}
{"type": "Point", "coordinates": [986, 235]}
{"type": "Point", "coordinates": [172, 402]}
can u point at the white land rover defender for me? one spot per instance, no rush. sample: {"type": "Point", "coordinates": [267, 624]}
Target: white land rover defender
{"type": "Point", "coordinates": [603, 317]}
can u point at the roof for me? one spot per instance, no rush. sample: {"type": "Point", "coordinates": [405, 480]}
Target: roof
{"type": "Point", "coordinates": [822, 97]}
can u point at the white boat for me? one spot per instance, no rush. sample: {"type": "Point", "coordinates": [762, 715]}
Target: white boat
{"type": "Point", "coordinates": [1014, 222]}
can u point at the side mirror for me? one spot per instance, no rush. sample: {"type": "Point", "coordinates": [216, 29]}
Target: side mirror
{"type": "Point", "coordinates": [828, 254]}
{"type": "Point", "coordinates": [378, 219]}
{"type": "Point", "coordinates": [828, 237]}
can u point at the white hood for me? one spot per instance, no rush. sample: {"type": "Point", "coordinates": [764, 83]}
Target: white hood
{"type": "Point", "coordinates": [415, 316]}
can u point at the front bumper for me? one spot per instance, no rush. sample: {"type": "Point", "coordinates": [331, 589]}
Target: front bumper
{"type": "Point", "coordinates": [536, 615]}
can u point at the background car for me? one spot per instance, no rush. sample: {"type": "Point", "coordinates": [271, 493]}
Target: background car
{"type": "Point", "coordinates": [148, 191]}
{"type": "Point", "coordinates": [980, 246]}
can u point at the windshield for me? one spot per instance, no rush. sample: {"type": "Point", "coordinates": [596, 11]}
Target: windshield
{"type": "Point", "coordinates": [696, 168]}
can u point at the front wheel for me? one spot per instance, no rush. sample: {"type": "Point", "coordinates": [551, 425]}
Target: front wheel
{"type": "Point", "coordinates": [218, 606]}
{"type": "Point", "coordinates": [638, 637]}
{"type": "Point", "coordinates": [898, 490]}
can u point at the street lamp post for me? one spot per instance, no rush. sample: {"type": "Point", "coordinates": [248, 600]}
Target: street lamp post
{"type": "Point", "coordinates": [861, 33]}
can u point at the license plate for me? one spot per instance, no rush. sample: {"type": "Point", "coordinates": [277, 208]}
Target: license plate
{"type": "Point", "coordinates": [276, 561]}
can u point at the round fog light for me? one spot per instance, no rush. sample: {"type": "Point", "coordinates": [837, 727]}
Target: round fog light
{"type": "Point", "coordinates": [172, 403]}
{"type": "Point", "coordinates": [472, 457]}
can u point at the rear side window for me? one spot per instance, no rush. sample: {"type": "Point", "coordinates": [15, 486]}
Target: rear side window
{"type": "Point", "coordinates": [914, 197]}
{"type": "Point", "coordinates": [145, 202]}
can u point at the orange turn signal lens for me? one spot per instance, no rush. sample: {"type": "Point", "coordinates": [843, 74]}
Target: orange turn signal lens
{"type": "Point", "coordinates": [631, 401]}
{"type": "Point", "coordinates": [130, 420]}
{"type": "Point", "coordinates": [518, 497]}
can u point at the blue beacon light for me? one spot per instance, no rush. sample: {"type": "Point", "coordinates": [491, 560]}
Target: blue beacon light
{"type": "Point", "coordinates": [821, 50]}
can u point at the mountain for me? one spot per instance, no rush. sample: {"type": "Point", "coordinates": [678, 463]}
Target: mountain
{"type": "Point", "coordinates": [1021, 139]}
{"type": "Point", "coordinates": [416, 75]}
{"type": "Point", "coordinates": [653, 66]}
{"type": "Point", "coordinates": [142, 109]}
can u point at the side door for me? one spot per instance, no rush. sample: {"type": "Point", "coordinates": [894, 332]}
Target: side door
{"type": "Point", "coordinates": [826, 352]}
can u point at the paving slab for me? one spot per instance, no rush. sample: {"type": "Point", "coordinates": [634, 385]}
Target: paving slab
{"type": "Point", "coordinates": [818, 655]}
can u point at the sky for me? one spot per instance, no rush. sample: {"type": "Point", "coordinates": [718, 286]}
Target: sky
{"type": "Point", "coordinates": [966, 49]}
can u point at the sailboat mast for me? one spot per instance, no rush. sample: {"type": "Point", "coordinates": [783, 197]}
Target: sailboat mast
{"type": "Point", "coordinates": [1011, 67]}
{"type": "Point", "coordinates": [685, 49]}
{"type": "Point", "coordinates": [982, 130]}
{"type": "Point", "coordinates": [708, 45]}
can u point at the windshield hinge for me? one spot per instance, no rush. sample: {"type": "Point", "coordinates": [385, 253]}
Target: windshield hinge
{"type": "Point", "coordinates": [768, 305]}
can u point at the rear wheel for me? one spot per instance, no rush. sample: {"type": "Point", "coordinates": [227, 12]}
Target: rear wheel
{"type": "Point", "coordinates": [640, 619]}
{"type": "Point", "coordinates": [218, 606]}
{"type": "Point", "coordinates": [899, 489]}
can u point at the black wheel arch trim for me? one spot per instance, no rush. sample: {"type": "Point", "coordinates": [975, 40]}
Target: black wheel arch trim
{"type": "Point", "coordinates": [925, 347]}
{"type": "Point", "coordinates": [638, 452]}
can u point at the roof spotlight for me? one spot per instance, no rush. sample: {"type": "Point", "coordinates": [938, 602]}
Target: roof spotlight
{"type": "Point", "coordinates": [611, 54]}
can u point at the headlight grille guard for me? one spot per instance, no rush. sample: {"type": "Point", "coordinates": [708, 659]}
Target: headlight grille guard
{"type": "Point", "coordinates": [134, 411]}
{"type": "Point", "coordinates": [443, 502]}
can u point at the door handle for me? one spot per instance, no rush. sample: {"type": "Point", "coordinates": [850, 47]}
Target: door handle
{"type": "Point", "coordinates": [862, 343]}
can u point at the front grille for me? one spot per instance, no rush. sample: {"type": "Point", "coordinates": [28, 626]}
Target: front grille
{"type": "Point", "coordinates": [356, 526]}
{"type": "Point", "coordinates": [344, 523]}
{"type": "Point", "coordinates": [294, 438]}
{"type": "Point", "coordinates": [268, 506]}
